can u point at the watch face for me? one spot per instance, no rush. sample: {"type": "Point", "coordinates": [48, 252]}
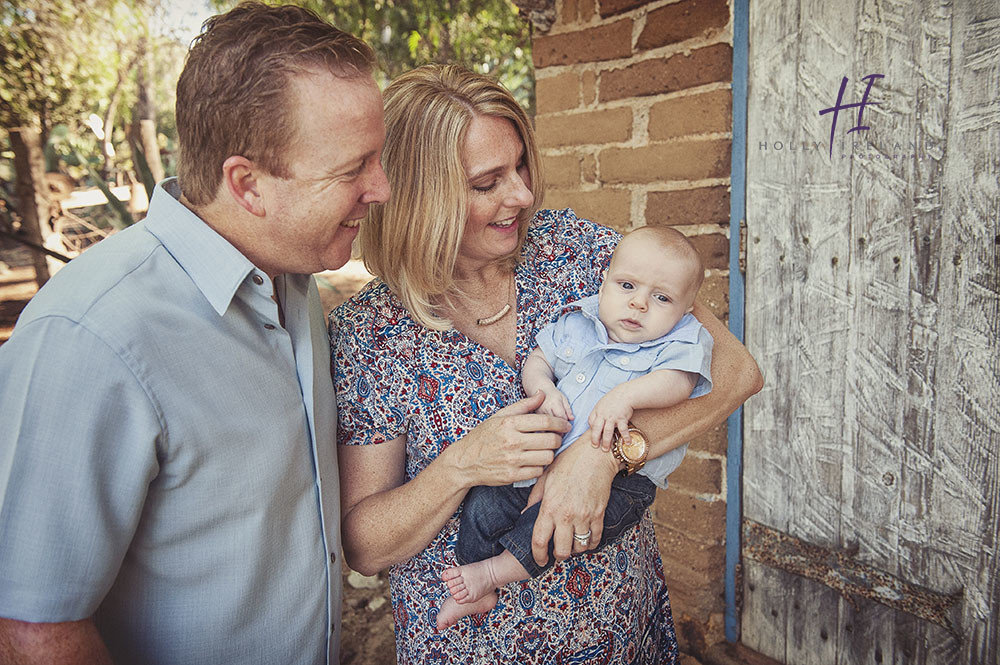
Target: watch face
{"type": "Point", "coordinates": [635, 450]}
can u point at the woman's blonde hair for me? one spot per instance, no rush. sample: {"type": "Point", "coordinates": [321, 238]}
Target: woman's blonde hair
{"type": "Point", "coordinates": [412, 241]}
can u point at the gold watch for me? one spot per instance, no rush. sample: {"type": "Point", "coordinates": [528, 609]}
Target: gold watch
{"type": "Point", "coordinates": [632, 455]}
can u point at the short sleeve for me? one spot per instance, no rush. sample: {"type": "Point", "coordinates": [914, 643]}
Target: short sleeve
{"type": "Point", "coordinates": [365, 372]}
{"type": "Point", "coordinates": [569, 253]}
{"type": "Point", "coordinates": [547, 337]}
{"type": "Point", "coordinates": [690, 356]}
{"type": "Point", "coordinates": [76, 458]}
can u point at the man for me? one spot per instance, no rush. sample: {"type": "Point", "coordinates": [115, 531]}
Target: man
{"type": "Point", "coordinates": [168, 480]}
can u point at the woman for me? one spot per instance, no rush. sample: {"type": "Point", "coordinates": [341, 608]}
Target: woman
{"type": "Point", "coordinates": [426, 356]}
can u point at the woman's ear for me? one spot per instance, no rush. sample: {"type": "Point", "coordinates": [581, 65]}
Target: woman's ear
{"type": "Point", "coordinates": [239, 175]}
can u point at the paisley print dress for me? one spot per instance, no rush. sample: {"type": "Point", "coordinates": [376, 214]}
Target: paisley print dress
{"type": "Point", "coordinates": [395, 377]}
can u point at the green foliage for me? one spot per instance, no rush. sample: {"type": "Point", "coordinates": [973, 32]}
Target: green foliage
{"type": "Point", "coordinates": [65, 61]}
{"type": "Point", "coordinates": [487, 36]}
{"type": "Point", "coordinates": [60, 56]}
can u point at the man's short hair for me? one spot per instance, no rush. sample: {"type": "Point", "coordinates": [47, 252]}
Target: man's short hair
{"type": "Point", "coordinates": [233, 95]}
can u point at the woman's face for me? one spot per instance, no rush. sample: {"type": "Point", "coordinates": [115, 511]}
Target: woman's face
{"type": "Point", "coordinates": [499, 189]}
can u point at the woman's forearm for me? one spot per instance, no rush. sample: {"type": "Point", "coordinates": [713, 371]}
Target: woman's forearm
{"type": "Point", "coordinates": [392, 525]}
{"type": "Point", "coordinates": [735, 377]}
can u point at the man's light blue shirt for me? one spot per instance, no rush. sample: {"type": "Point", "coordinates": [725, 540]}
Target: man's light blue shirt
{"type": "Point", "coordinates": [587, 364]}
{"type": "Point", "coordinates": [167, 457]}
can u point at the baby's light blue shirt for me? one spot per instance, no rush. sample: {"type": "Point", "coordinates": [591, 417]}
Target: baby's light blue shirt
{"type": "Point", "coordinates": [587, 364]}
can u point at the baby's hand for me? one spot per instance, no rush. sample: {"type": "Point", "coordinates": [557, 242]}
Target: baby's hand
{"type": "Point", "coordinates": [556, 404]}
{"type": "Point", "coordinates": [609, 413]}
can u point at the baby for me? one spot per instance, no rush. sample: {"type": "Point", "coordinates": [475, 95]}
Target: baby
{"type": "Point", "coordinates": [634, 345]}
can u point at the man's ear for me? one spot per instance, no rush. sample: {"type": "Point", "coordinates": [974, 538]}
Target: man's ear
{"type": "Point", "coordinates": [239, 175]}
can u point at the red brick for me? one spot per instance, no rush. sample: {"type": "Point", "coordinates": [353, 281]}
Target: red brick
{"type": "Point", "coordinates": [703, 521]}
{"type": "Point", "coordinates": [715, 440]}
{"type": "Point", "coordinates": [694, 572]}
{"type": "Point", "coordinates": [557, 93]}
{"type": "Point", "coordinates": [589, 82]}
{"type": "Point", "coordinates": [612, 7]}
{"type": "Point", "coordinates": [682, 20]}
{"type": "Point", "coordinates": [589, 168]}
{"type": "Point", "coordinates": [698, 475]}
{"type": "Point", "coordinates": [691, 593]}
{"type": "Point", "coordinates": [568, 13]}
{"type": "Point", "coordinates": [659, 76]}
{"type": "Point", "coordinates": [714, 293]}
{"type": "Point", "coordinates": [704, 205]}
{"type": "Point", "coordinates": [561, 170]}
{"type": "Point", "coordinates": [608, 206]}
{"type": "Point", "coordinates": [714, 249]}
{"type": "Point", "coordinates": [605, 42]}
{"type": "Point", "coordinates": [693, 114]}
{"type": "Point", "coordinates": [587, 10]}
{"type": "Point", "coordinates": [604, 126]}
{"type": "Point", "coordinates": [665, 162]}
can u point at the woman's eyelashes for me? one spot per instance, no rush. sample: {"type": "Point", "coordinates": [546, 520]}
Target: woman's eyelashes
{"type": "Point", "coordinates": [483, 189]}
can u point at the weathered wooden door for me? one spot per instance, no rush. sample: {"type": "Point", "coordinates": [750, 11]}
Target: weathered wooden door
{"type": "Point", "coordinates": [872, 456]}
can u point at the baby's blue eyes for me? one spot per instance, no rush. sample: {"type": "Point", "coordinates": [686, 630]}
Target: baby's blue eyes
{"type": "Point", "coordinates": [629, 286]}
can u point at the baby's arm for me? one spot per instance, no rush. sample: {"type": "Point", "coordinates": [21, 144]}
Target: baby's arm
{"type": "Point", "coordinates": [537, 374]}
{"type": "Point", "coordinates": [658, 389]}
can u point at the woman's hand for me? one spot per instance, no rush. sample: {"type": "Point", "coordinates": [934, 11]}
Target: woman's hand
{"type": "Point", "coordinates": [387, 519]}
{"type": "Point", "coordinates": [575, 491]}
{"type": "Point", "coordinates": [513, 444]}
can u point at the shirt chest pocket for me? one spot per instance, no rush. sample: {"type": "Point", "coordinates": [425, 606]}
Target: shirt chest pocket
{"type": "Point", "coordinates": [619, 367]}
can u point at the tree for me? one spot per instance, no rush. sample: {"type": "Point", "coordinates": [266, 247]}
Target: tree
{"type": "Point", "coordinates": [487, 36]}
{"type": "Point", "coordinates": [63, 61]}
{"type": "Point", "coordinates": [58, 59]}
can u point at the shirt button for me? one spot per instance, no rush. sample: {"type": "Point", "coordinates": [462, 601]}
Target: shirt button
{"type": "Point", "coordinates": [568, 352]}
{"type": "Point", "coordinates": [333, 557]}
{"type": "Point", "coordinates": [268, 326]}
{"type": "Point", "coordinates": [258, 280]}
{"type": "Point", "coordinates": [581, 377]}
{"type": "Point", "coordinates": [624, 361]}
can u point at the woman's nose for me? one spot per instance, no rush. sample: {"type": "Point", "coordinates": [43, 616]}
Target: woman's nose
{"type": "Point", "coordinates": [377, 190]}
{"type": "Point", "coordinates": [520, 195]}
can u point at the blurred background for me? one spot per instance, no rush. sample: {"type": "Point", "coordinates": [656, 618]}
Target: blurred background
{"type": "Point", "coordinates": [87, 108]}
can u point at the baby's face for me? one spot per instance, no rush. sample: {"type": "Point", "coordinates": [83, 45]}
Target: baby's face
{"type": "Point", "coordinates": [644, 293]}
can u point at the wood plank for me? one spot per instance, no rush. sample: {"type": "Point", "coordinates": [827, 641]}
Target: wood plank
{"type": "Point", "coordinates": [967, 424]}
{"type": "Point", "coordinates": [765, 610]}
{"type": "Point", "coordinates": [880, 425]}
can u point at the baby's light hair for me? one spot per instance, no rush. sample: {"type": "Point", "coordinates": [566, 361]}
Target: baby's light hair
{"type": "Point", "coordinates": [675, 246]}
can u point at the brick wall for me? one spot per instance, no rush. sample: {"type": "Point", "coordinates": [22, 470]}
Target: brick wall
{"type": "Point", "coordinates": [634, 123]}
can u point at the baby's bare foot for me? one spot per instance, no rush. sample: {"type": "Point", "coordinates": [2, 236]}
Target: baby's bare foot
{"type": "Point", "coordinates": [452, 610]}
{"type": "Point", "coordinates": [471, 582]}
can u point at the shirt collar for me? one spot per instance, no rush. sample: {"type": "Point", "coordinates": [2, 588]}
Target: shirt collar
{"type": "Point", "coordinates": [589, 308]}
{"type": "Point", "coordinates": [213, 264]}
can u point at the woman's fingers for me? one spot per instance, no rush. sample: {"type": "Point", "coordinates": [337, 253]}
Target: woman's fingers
{"type": "Point", "coordinates": [596, 532]}
{"type": "Point", "coordinates": [539, 422]}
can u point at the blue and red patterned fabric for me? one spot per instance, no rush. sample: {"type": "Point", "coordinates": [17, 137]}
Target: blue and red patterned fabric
{"type": "Point", "coordinates": [395, 377]}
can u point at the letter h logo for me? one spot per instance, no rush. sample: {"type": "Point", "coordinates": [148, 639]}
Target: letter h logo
{"type": "Point", "coordinates": [859, 105]}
